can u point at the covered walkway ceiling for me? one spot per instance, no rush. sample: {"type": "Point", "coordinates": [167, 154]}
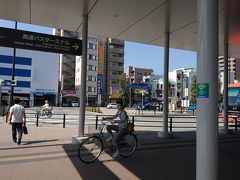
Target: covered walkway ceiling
{"type": "Point", "coordinates": [140, 21]}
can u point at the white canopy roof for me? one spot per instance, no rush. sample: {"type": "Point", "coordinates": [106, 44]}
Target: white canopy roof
{"type": "Point", "coordinates": [140, 21]}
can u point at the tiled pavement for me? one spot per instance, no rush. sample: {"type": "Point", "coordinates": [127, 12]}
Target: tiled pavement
{"type": "Point", "coordinates": [47, 154]}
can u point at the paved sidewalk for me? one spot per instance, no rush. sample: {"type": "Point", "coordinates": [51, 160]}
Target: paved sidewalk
{"type": "Point", "coordinates": [47, 154]}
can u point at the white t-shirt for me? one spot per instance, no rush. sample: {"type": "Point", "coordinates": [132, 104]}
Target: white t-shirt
{"type": "Point", "coordinates": [17, 111]}
{"type": "Point", "coordinates": [45, 106]}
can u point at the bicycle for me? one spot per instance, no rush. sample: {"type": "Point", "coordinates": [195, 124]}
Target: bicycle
{"type": "Point", "coordinates": [91, 148]}
{"type": "Point", "coordinates": [40, 112]}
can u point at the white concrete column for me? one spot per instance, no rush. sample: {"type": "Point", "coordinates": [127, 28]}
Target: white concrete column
{"type": "Point", "coordinates": [83, 68]}
{"type": "Point", "coordinates": [165, 82]}
{"type": "Point", "coordinates": [165, 132]}
{"type": "Point", "coordinates": [207, 75]}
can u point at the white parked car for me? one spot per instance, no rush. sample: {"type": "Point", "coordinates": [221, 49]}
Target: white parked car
{"type": "Point", "coordinates": [112, 106]}
{"type": "Point", "coordinates": [75, 104]}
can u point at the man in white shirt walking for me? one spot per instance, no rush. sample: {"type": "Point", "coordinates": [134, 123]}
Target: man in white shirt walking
{"type": "Point", "coordinates": [17, 118]}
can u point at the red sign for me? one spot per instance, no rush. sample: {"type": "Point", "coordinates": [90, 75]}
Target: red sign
{"type": "Point", "coordinates": [68, 92]}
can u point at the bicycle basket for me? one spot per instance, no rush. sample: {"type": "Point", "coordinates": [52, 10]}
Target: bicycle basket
{"type": "Point", "coordinates": [130, 127]}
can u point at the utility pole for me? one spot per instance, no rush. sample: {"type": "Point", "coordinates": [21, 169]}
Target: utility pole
{"type": "Point", "coordinates": [13, 73]}
{"type": "Point", "coordinates": [130, 92]}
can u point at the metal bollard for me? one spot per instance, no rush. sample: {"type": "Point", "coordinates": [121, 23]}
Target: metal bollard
{"type": "Point", "coordinates": [64, 120]}
{"type": "Point", "coordinates": [96, 126]}
{"type": "Point", "coordinates": [37, 120]}
{"type": "Point", "coordinates": [170, 127]}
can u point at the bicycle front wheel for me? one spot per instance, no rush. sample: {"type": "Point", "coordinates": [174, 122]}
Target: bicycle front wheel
{"type": "Point", "coordinates": [128, 145]}
{"type": "Point", "coordinates": [49, 114]}
{"type": "Point", "coordinates": [90, 149]}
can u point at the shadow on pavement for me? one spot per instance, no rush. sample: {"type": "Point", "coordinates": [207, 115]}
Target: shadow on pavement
{"type": "Point", "coordinates": [164, 159]}
{"type": "Point", "coordinates": [36, 142]}
{"type": "Point", "coordinates": [31, 143]}
{"type": "Point", "coordinates": [96, 170]}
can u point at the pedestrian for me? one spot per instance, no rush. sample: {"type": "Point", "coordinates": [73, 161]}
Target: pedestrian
{"type": "Point", "coordinates": [17, 118]}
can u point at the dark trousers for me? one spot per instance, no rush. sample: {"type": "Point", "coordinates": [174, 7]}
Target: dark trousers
{"type": "Point", "coordinates": [17, 129]}
{"type": "Point", "coordinates": [120, 133]}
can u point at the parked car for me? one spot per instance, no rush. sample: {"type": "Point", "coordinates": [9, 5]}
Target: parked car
{"type": "Point", "coordinates": [151, 106]}
{"type": "Point", "coordinates": [192, 107]}
{"type": "Point", "coordinates": [75, 103]}
{"type": "Point", "coordinates": [112, 106]}
{"type": "Point", "coordinates": [138, 105]}
{"type": "Point", "coordinates": [66, 104]}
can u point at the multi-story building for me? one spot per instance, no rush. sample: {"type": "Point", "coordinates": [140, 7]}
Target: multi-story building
{"type": "Point", "coordinates": [113, 68]}
{"type": "Point", "coordinates": [182, 78]}
{"type": "Point", "coordinates": [138, 76]}
{"type": "Point", "coordinates": [67, 63]}
{"type": "Point", "coordinates": [70, 70]}
{"type": "Point", "coordinates": [92, 63]}
{"type": "Point", "coordinates": [156, 82]}
{"type": "Point", "coordinates": [233, 71]}
{"type": "Point", "coordinates": [135, 75]}
{"type": "Point", "coordinates": [36, 75]}
{"type": "Point", "coordinates": [231, 76]}
{"type": "Point", "coordinates": [233, 66]}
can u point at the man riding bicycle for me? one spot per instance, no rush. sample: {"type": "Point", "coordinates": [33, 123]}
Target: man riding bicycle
{"type": "Point", "coordinates": [121, 128]}
{"type": "Point", "coordinates": [45, 107]}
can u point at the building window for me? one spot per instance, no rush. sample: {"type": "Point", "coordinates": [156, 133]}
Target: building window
{"type": "Point", "coordinates": [92, 46]}
{"type": "Point", "coordinates": [92, 68]}
{"type": "Point", "coordinates": [91, 78]}
{"type": "Point", "coordinates": [91, 57]}
{"type": "Point", "coordinates": [89, 89]}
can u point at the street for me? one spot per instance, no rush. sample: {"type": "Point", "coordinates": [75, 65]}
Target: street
{"type": "Point", "coordinates": [148, 121]}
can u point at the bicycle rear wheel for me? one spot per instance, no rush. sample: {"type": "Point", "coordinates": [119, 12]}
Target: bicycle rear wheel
{"type": "Point", "coordinates": [128, 145]}
{"type": "Point", "coordinates": [90, 149]}
{"type": "Point", "coordinates": [49, 114]}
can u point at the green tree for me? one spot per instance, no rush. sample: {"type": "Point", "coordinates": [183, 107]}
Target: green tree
{"type": "Point", "coordinates": [123, 93]}
{"type": "Point", "coordinates": [194, 89]}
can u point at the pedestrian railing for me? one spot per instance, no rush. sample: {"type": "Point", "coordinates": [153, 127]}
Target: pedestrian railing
{"type": "Point", "coordinates": [175, 122]}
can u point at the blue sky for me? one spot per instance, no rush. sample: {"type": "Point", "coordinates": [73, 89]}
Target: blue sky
{"type": "Point", "coordinates": [139, 55]}
{"type": "Point", "coordinates": [148, 56]}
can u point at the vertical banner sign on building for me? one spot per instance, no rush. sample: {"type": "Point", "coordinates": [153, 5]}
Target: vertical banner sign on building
{"type": "Point", "coordinates": [100, 57]}
{"type": "Point", "coordinates": [99, 83]}
{"type": "Point", "coordinates": [100, 70]}
{"type": "Point", "coordinates": [99, 87]}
